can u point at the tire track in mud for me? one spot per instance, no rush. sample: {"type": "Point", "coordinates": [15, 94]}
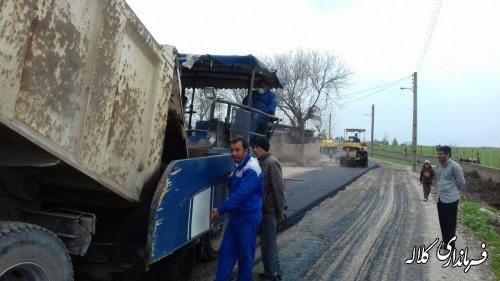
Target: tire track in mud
{"type": "Point", "coordinates": [376, 235]}
{"type": "Point", "coordinates": [385, 261]}
{"type": "Point", "coordinates": [379, 229]}
{"type": "Point", "coordinates": [348, 256]}
{"type": "Point", "coordinates": [325, 266]}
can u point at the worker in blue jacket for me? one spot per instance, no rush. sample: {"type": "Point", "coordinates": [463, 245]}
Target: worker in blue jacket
{"type": "Point", "coordinates": [244, 206]}
{"type": "Point", "coordinates": [264, 100]}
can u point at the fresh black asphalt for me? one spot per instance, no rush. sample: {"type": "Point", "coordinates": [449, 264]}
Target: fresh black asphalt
{"type": "Point", "coordinates": [309, 189]}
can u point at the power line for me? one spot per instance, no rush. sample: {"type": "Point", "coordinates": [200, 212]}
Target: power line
{"type": "Point", "coordinates": [385, 86]}
{"type": "Point", "coordinates": [367, 95]}
{"type": "Point", "coordinates": [430, 31]}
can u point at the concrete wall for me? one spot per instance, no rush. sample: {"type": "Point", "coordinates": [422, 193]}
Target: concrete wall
{"type": "Point", "coordinates": [296, 153]}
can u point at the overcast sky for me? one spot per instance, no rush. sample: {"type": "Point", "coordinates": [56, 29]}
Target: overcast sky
{"type": "Point", "coordinates": [380, 41]}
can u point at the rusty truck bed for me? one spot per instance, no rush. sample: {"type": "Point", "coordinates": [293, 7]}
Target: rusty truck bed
{"type": "Point", "coordinates": [88, 84]}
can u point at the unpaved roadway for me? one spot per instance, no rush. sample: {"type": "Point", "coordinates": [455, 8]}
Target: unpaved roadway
{"type": "Point", "coordinates": [367, 232]}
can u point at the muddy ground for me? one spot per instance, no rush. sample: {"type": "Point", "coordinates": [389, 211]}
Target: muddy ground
{"type": "Point", "coordinates": [482, 190]}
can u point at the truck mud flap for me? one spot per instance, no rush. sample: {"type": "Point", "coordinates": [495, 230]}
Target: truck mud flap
{"type": "Point", "coordinates": [180, 210]}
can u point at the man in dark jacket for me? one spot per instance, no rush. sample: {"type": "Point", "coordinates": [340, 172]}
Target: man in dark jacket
{"type": "Point", "coordinates": [363, 154]}
{"type": "Point", "coordinates": [264, 100]}
{"type": "Point", "coordinates": [244, 207]}
{"type": "Point", "coordinates": [272, 209]}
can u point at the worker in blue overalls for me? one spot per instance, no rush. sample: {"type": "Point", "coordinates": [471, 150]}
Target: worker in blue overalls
{"type": "Point", "coordinates": [264, 100]}
{"type": "Point", "coordinates": [244, 206]}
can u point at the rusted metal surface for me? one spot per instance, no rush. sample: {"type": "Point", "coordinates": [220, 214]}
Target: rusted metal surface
{"type": "Point", "coordinates": [15, 18]}
{"type": "Point", "coordinates": [87, 82]}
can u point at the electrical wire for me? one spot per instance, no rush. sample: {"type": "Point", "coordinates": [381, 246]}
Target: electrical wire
{"type": "Point", "coordinates": [430, 31]}
{"type": "Point", "coordinates": [345, 103]}
{"type": "Point", "coordinates": [385, 86]}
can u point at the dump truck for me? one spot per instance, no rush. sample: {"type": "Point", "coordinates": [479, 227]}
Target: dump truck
{"type": "Point", "coordinates": [97, 180]}
{"type": "Point", "coordinates": [351, 155]}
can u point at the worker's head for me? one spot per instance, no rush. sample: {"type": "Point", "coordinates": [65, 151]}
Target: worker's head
{"type": "Point", "coordinates": [239, 149]}
{"type": "Point", "coordinates": [260, 146]}
{"type": "Point", "coordinates": [262, 86]}
{"type": "Point", "coordinates": [444, 153]}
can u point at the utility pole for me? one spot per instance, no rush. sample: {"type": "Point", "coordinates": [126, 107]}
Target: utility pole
{"type": "Point", "coordinates": [414, 134]}
{"type": "Point", "coordinates": [330, 128]}
{"type": "Point", "coordinates": [373, 126]}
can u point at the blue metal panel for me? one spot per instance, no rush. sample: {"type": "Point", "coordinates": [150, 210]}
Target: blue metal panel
{"type": "Point", "coordinates": [172, 205]}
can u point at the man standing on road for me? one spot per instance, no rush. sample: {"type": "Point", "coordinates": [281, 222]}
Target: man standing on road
{"type": "Point", "coordinates": [272, 210]}
{"type": "Point", "coordinates": [363, 154]}
{"type": "Point", "coordinates": [244, 207]}
{"type": "Point", "coordinates": [450, 180]}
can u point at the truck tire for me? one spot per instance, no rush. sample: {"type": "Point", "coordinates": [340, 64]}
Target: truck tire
{"type": "Point", "coordinates": [210, 243]}
{"type": "Point", "coordinates": [32, 253]}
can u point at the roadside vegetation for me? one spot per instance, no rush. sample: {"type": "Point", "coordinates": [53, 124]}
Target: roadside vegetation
{"type": "Point", "coordinates": [482, 220]}
{"type": "Point", "coordinates": [489, 156]}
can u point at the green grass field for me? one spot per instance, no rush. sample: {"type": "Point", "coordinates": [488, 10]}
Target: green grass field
{"type": "Point", "coordinates": [483, 225]}
{"type": "Point", "coordinates": [489, 156]}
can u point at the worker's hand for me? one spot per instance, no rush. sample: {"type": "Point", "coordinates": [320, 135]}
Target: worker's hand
{"type": "Point", "coordinates": [281, 218]}
{"type": "Point", "coordinates": [214, 215]}
{"type": "Point", "coordinates": [281, 222]}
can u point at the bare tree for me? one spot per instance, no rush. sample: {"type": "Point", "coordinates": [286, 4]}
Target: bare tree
{"type": "Point", "coordinates": [322, 124]}
{"type": "Point", "coordinates": [234, 95]}
{"type": "Point", "coordinates": [312, 79]}
{"type": "Point", "coordinates": [321, 127]}
{"type": "Point", "coordinates": [202, 101]}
